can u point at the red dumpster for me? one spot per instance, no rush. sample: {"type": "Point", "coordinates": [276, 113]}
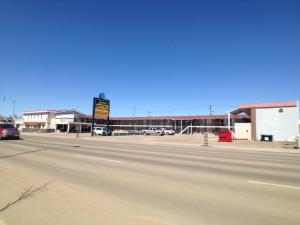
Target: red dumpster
{"type": "Point", "coordinates": [225, 136]}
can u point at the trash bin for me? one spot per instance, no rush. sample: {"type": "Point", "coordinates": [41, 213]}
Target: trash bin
{"type": "Point", "coordinates": [225, 136]}
{"type": "Point", "coordinates": [266, 137]}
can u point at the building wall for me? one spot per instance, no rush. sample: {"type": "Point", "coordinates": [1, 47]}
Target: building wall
{"type": "Point", "coordinates": [51, 121]}
{"type": "Point", "coordinates": [19, 124]}
{"type": "Point", "coordinates": [35, 117]}
{"type": "Point", "coordinates": [66, 118]}
{"type": "Point", "coordinates": [253, 124]}
{"type": "Point", "coordinates": [40, 117]}
{"type": "Point", "coordinates": [242, 131]}
{"type": "Point", "coordinates": [282, 125]}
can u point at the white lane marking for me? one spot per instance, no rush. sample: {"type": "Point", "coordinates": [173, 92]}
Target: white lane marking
{"type": "Point", "coordinates": [272, 184]}
{"type": "Point", "coordinates": [97, 158]}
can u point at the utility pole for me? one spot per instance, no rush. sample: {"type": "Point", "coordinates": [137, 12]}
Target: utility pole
{"type": "Point", "coordinates": [210, 110]}
{"type": "Point", "coordinates": [93, 116]}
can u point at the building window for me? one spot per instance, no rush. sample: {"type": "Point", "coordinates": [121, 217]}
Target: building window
{"type": "Point", "coordinates": [280, 110]}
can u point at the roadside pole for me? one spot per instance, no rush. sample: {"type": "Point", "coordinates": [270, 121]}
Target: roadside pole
{"type": "Point", "coordinates": [107, 125]}
{"type": "Point", "coordinates": [93, 117]}
{"type": "Point", "coordinates": [228, 120]}
{"type": "Point", "coordinates": [205, 143]}
{"type": "Point", "coordinates": [77, 135]}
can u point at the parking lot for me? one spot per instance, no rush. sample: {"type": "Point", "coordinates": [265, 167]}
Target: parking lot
{"type": "Point", "coordinates": [62, 179]}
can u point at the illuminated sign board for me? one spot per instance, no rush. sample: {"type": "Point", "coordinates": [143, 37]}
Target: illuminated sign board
{"type": "Point", "coordinates": [101, 107]}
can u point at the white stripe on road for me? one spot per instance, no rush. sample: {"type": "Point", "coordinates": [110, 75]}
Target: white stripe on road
{"type": "Point", "coordinates": [97, 158]}
{"type": "Point", "coordinates": [276, 185]}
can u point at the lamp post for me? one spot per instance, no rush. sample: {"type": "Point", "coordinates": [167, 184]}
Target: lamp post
{"type": "Point", "coordinates": [228, 120]}
{"type": "Point", "coordinates": [13, 103]}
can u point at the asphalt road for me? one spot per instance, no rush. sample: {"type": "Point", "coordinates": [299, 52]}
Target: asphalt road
{"type": "Point", "coordinates": [47, 180]}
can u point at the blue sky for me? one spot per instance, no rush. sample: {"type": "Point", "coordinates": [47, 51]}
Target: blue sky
{"type": "Point", "coordinates": [161, 57]}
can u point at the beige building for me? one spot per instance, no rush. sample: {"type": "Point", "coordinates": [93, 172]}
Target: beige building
{"type": "Point", "coordinates": [39, 120]}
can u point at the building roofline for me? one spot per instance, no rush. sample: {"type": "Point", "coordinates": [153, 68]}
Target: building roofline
{"type": "Point", "coordinates": [170, 117]}
{"type": "Point", "coordinates": [269, 105]}
{"type": "Point", "coordinates": [69, 111]}
{"type": "Point", "coordinates": [42, 111]}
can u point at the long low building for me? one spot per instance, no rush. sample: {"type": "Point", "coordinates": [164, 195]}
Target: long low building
{"type": "Point", "coordinates": [181, 124]}
{"type": "Point", "coordinates": [249, 121]}
{"type": "Point", "coordinates": [72, 120]}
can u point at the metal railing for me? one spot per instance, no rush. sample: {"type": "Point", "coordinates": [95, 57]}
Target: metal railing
{"type": "Point", "coordinates": [191, 127]}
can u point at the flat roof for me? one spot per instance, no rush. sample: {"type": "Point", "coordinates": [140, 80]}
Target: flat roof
{"type": "Point", "coordinates": [268, 105]}
{"type": "Point", "coordinates": [43, 111]}
{"type": "Point", "coordinates": [246, 108]}
{"type": "Point", "coordinates": [53, 111]}
{"type": "Point", "coordinates": [171, 117]}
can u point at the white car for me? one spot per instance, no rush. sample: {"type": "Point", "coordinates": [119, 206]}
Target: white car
{"type": "Point", "coordinates": [101, 131]}
{"type": "Point", "coordinates": [168, 131]}
{"type": "Point", "coordinates": [153, 131]}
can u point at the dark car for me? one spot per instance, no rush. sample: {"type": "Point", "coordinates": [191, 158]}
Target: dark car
{"type": "Point", "coordinates": [8, 131]}
{"type": "Point", "coordinates": [109, 131]}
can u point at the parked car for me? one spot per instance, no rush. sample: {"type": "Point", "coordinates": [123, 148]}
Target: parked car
{"type": "Point", "coordinates": [104, 131]}
{"type": "Point", "coordinates": [153, 131]}
{"type": "Point", "coordinates": [167, 131]}
{"type": "Point", "coordinates": [8, 131]}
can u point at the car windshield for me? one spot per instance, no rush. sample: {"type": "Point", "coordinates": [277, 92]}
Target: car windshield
{"type": "Point", "coordinates": [6, 126]}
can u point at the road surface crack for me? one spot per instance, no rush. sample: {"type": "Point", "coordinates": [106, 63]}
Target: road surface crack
{"type": "Point", "coordinates": [22, 153]}
{"type": "Point", "coordinates": [28, 193]}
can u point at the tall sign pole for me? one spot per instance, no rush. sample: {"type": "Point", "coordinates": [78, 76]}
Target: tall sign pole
{"type": "Point", "coordinates": [107, 125]}
{"type": "Point", "coordinates": [93, 116]}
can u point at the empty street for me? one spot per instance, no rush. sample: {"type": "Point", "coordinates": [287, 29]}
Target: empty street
{"type": "Point", "coordinates": [144, 180]}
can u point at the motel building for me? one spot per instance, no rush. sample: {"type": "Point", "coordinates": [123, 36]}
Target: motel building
{"type": "Point", "coordinates": [40, 120]}
{"type": "Point", "coordinates": [70, 121]}
{"type": "Point", "coordinates": [197, 124]}
{"type": "Point", "coordinates": [279, 120]}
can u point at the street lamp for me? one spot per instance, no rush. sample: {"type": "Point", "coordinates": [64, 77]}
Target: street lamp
{"type": "Point", "coordinates": [13, 103]}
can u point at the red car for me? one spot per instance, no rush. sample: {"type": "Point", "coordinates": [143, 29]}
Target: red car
{"type": "Point", "coordinates": [8, 131]}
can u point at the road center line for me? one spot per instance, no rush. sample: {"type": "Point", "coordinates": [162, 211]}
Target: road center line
{"type": "Point", "coordinates": [97, 158]}
{"type": "Point", "coordinates": [276, 185]}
